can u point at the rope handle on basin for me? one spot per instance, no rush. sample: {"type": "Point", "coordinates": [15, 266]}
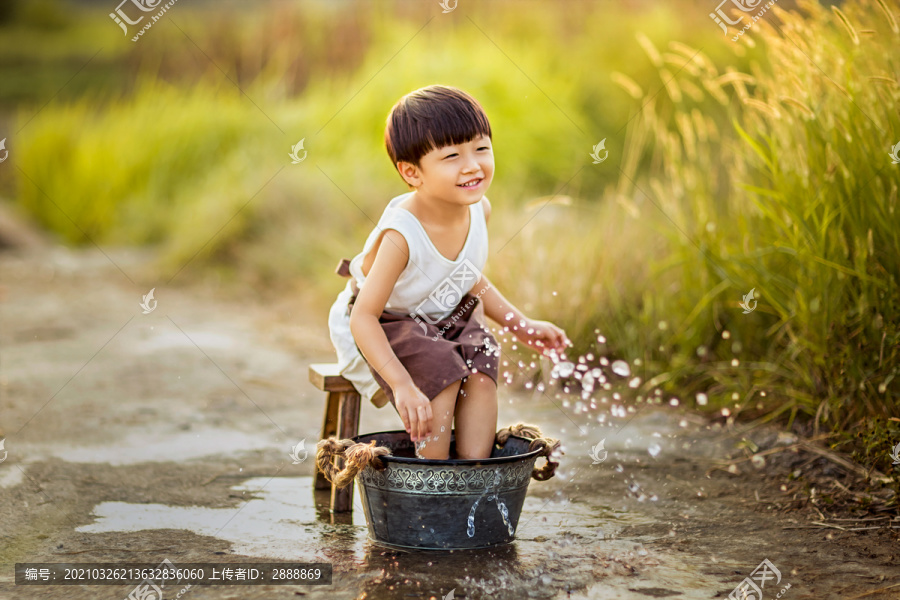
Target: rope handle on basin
{"type": "Point", "coordinates": [357, 455]}
{"type": "Point", "coordinates": [546, 445]}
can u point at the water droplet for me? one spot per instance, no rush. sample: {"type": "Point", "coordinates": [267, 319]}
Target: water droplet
{"type": "Point", "coordinates": [758, 461]}
{"type": "Point", "coordinates": [654, 450]}
{"type": "Point", "coordinates": [601, 339]}
{"type": "Point", "coordinates": [621, 368]}
{"type": "Point", "coordinates": [508, 316]}
{"type": "Point", "coordinates": [726, 412]}
{"type": "Point", "coordinates": [726, 334]}
{"type": "Point", "coordinates": [587, 383]}
{"type": "Point", "coordinates": [563, 369]}
{"type": "Point", "coordinates": [634, 383]}
{"type": "Point", "coordinates": [702, 399]}
{"type": "Point", "coordinates": [735, 362]}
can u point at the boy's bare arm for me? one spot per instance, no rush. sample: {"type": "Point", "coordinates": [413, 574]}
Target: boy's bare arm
{"type": "Point", "coordinates": [412, 405]}
{"type": "Point", "coordinates": [390, 260]}
{"type": "Point", "coordinates": [540, 335]}
{"type": "Point", "coordinates": [496, 307]}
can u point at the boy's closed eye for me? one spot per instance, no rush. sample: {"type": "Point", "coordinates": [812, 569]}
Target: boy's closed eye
{"type": "Point", "coordinates": [457, 154]}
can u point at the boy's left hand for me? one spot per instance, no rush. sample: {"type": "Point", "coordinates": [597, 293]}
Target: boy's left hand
{"type": "Point", "coordinates": [542, 336]}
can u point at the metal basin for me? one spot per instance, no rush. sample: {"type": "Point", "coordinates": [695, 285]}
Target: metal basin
{"type": "Point", "coordinates": [444, 504]}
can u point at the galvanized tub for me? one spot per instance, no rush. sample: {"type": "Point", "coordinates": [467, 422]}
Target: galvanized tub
{"type": "Point", "coordinates": [444, 504]}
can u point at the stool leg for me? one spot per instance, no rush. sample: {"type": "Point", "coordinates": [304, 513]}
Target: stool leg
{"type": "Point", "coordinates": [329, 428]}
{"type": "Point", "coordinates": [348, 427]}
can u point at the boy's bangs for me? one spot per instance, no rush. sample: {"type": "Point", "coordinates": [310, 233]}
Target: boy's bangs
{"type": "Point", "coordinates": [453, 128]}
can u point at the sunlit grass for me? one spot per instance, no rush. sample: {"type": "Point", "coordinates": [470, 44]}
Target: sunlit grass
{"type": "Point", "coordinates": [787, 188]}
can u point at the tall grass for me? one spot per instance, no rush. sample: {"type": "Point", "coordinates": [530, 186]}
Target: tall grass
{"type": "Point", "coordinates": [785, 186]}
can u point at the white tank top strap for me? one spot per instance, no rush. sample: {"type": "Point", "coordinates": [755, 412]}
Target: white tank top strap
{"type": "Point", "coordinates": [392, 218]}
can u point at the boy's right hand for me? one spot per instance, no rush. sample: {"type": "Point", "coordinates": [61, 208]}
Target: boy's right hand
{"type": "Point", "coordinates": [415, 411]}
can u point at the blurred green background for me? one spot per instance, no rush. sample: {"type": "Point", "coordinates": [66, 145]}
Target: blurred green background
{"type": "Point", "coordinates": [758, 164]}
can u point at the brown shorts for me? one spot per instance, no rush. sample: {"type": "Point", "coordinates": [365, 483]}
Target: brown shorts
{"type": "Point", "coordinates": [436, 355]}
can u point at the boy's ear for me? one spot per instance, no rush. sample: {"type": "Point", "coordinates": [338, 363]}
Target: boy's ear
{"type": "Point", "coordinates": [410, 173]}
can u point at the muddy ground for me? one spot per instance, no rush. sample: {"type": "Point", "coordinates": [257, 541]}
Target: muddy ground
{"type": "Point", "coordinates": [138, 437]}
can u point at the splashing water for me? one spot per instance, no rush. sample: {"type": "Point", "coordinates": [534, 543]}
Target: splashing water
{"type": "Point", "coordinates": [621, 368]}
{"type": "Point", "coordinates": [501, 506]}
{"type": "Point", "coordinates": [470, 522]}
{"type": "Point", "coordinates": [504, 513]}
{"type": "Point", "coordinates": [562, 370]}
{"type": "Point", "coordinates": [419, 446]}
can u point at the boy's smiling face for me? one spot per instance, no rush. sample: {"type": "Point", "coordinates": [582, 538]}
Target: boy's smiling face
{"type": "Point", "coordinates": [443, 172]}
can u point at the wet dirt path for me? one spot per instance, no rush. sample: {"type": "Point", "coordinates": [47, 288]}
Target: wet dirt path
{"type": "Point", "coordinates": [137, 437]}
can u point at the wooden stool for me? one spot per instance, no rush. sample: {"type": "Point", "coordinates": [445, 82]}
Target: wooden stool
{"type": "Point", "coordinates": [341, 420]}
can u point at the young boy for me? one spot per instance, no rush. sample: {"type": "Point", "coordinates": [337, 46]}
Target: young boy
{"type": "Point", "coordinates": [417, 298]}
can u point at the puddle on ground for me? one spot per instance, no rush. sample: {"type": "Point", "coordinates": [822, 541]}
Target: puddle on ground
{"type": "Point", "coordinates": [670, 576]}
{"type": "Point", "coordinates": [278, 521]}
{"type": "Point", "coordinates": [12, 476]}
{"type": "Point", "coordinates": [142, 446]}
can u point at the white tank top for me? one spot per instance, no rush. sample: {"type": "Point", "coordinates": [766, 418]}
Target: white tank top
{"type": "Point", "coordinates": [429, 287]}
{"type": "Point", "coordinates": [431, 284]}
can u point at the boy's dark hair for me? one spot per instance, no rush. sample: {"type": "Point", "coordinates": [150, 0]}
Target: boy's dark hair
{"type": "Point", "coordinates": [432, 117]}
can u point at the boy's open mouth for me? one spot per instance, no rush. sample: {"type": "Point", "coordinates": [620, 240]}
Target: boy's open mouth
{"type": "Point", "coordinates": [471, 184]}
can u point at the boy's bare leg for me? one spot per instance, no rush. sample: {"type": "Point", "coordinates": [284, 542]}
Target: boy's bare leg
{"type": "Point", "coordinates": [437, 445]}
{"type": "Point", "coordinates": [476, 417]}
